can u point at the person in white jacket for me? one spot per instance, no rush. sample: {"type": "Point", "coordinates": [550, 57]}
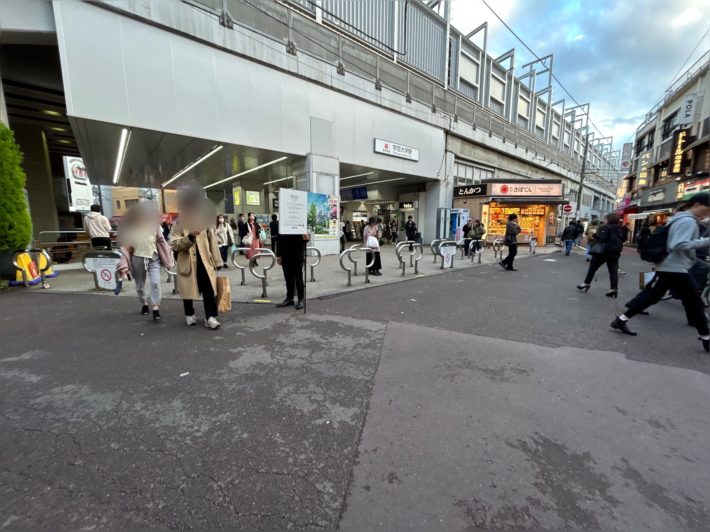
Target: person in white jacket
{"type": "Point", "coordinates": [98, 227]}
{"type": "Point", "coordinates": [225, 237]}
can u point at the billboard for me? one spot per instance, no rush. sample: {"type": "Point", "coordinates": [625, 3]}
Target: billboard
{"type": "Point", "coordinates": [79, 190]}
{"type": "Point", "coordinates": [626, 154]}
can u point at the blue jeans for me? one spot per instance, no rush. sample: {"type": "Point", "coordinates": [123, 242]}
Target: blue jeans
{"type": "Point", "coordinates": [568, 246]}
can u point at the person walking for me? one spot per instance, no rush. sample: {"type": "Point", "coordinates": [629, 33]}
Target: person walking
{"type": "Point", "coordinates": [410, 230]}
{"type": "Point", "coordinates": [198, 259]}
{"type": "Point", "coordinates": [569, 235]}
{"type": "Point", "coordinates": [591, 238]}
{"type": "Point", "coordinates": [477, 234]}
{"type": "Point", "coordinates": [394, 230]}
{"type": "Point", "coordinates": [672, 272]}
{"type": "Point", "coordinates": [252, 236]}
{"type": "Point", "coordinates": [98, 227]}
{"type": "Point", "coordinates": [512, 230]}
{"type": "Point", "coordinates": [580, 232]}
{"type": "Point", "coordinates": [143, 252]}
{"type": "Point", "coordinates": [606, 250]}
{"type": "Point", "coordinates": [233, 224]}
{"type": "Point", "coordinates": [225, 237]}
{"type": "Point", "coordinates": [348, 231]}
{"type": "Point", "coordinates": [371, 238]}
{"type": "Point", "coordinates": [466, 230]}
{"type": "Point", "coordinates": [290, 255]}
{"type": "Point", "coordinates": [274, 231]}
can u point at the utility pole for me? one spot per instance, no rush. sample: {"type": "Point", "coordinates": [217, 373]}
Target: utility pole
{"type": "Point", "coordinates": [581, 175]}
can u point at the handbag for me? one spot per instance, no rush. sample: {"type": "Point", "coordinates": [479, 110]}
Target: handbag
{"type": "Point", "coordinates": [598, 249]}
{"type": "Point", "coordinates": [372, 242]}
{"type": "Point", "coordinates": [224, 295]}
{"type": "Point", "coordinates": [248, 238]}
{"type": "Point", "coordinates": [262, 235]}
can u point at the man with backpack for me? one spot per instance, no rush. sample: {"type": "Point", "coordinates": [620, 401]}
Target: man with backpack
{"type": "Point", "coordinates": [672, 249]}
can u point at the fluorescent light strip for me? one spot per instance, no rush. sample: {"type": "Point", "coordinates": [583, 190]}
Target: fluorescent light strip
{"type": "Point", "coordinates": [245, 172]}
{"type": "Point", "coordinates": [277, 180]}
{"type": "Point", "coordinates": [358, 175]}
{"type": "Point", "coordinates": [121, 155]}
{"type": "Point", "coordinates": [373, 183]}
{"type": "Point", "coordinates": [189, 167]}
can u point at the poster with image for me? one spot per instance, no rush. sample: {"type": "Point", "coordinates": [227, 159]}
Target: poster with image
{"type": "Point", "coordinates": [323, 216]}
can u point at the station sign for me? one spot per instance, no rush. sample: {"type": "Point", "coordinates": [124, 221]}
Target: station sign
{"type": "Point", "coordinates": [393, 149]}
{"type": "Point", "coordinates": [526, 189]}
{"type": "Point", "coordinates": [404, 205]}
{"type": "Point", "coordinates": [471, 191]}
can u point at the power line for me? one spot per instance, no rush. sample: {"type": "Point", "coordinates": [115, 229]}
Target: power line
{"type": "Point", "coordinates": [538, 58]}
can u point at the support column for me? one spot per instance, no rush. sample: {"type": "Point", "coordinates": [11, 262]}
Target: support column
{"type": "Point", "coordinates": [439, 194]}
{"type": "Point", "coordinates": [40, 190]}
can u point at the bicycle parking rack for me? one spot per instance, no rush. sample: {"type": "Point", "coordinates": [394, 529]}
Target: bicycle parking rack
{"type": "Point", "coordinates": [109, 261]}
{"type": "Point", "coordinates": [317, 253]}
{"type": "Point", "coordinates": [354, 262]}
{"type": "Point", "coordinates": [482, 246]}
{"type": "Point", "coordinates": [434, 246]}
{"type": "Point", "coordinates": [347, 253]}
{"type": "Point", "coordinates": [498, 248]}
{"type": "Point", "coordinates": [442, 244]}
{"type": "Point", "coordinates": [262, 252]}
{"type": "Point", "coordinates": [34, 254]}
{"type": "Point", "coordinates": [416, 248]}
{"type": "Point", "coordinates": [533, 245]}
{"type": "Point", "coordinates": [238, 266]}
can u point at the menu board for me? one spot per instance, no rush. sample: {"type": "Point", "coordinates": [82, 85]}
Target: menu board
{"type": "Point", "coordinates": [530, 218]}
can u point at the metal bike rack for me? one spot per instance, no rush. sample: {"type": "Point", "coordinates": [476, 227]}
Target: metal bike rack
{"type": "Point", "coordinates": [417, 249]}
{"type": "Point", "coordinates": [262, 252]}
{"type": "Point", "coordinates": [317, 253]}
{"type": "Point", "coordinates": [434, 246]}
{"type": "Point", "coordinates": [463, 246]}
{"type": "Point", "coordinates": [533, 245]}
{"type": "Point", "coordinates": [445, 243]}
{"type": "Point", "coordinates": [347, 253]}
{"type": "Point", "coordinates": [34, 254]}
{"type": "Point", "coordinates": [114, 256]}
{"type": "Point", "coordinates": [354, 262]}
{"type": "Point", "coordinates": [481, 245]}
{"type": "Point", "coordinates": [498, 248]}
{"type": "Point", "coordinates": [238, 266]}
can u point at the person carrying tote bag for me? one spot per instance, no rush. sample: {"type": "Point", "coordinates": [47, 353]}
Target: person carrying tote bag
{"type": "Point", "coordinates": [371, 238]}
{"type": "Point", "coordinates": [606, 250]}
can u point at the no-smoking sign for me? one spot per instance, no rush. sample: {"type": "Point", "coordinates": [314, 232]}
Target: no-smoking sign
{"type": "Point", "coordinates": [106, 275]}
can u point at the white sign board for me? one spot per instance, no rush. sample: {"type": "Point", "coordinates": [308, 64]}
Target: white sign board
{"type": "Point", "coordinates": [687, 110]}
{"type": "Point", "coordinates": [81, 195]}
{"type": "Point", "coordinates": [526, 189]}
{"type": "Point", "coordinates": [396, 150]}
{"type": "Point", "coordinates": [293, 212]}
{"type": "Point", "coordinates": [447, 254]}
{"type": "Point", "coordinates": [104, 271]}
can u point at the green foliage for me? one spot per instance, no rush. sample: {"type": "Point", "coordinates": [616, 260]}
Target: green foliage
{"type": "Point", "coordinates": [312, 216]}
{"type": "Point", "coordinates": [15, 224]}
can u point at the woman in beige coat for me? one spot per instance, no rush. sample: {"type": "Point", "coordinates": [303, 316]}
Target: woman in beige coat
{"type": "Point", "coordinates": [198, 260]}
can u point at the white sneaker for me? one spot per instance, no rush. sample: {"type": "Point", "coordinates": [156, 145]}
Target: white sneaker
{"type": "Point", "coordinates": [191, 320]}
{"type": "Point", "coordinates": [212, 323]}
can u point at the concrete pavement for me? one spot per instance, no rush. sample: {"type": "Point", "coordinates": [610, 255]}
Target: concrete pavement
{"type": "Point", "coordinates": [479, 398]}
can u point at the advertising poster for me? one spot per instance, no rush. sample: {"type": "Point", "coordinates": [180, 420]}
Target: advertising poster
{"type": "Point", "coordinates": [323, 216]}
{"type": "Point", "coordinates": [293, 212]}
{"type": "Point", "coordinates": [253, 197]}
{"type": "Point", "coordinates": [79, 190]}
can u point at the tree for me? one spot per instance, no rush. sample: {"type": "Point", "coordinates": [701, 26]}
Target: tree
{"type": "Point", "coordinates": [312, 216]}
{"type": "Point", "coordinates": [15, 224]}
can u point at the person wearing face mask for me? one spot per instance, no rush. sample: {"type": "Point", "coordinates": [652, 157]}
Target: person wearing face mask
{"type": "Point", "coordinates": [251, 239]}
{"type": "Point", "coordinates": [225, 237]}
{"type": "Point", "coordinates": [672, 273]}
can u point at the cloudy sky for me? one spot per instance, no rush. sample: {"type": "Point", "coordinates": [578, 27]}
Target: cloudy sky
{"type": "Point", "coordinates": [618, 55]}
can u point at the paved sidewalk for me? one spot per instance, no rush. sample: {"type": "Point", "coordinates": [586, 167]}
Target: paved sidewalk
{"type": "Point", "coordinates": [331, 279]}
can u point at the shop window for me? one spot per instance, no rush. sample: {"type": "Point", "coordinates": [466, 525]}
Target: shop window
{"type": "Point", "coordinates": [130, 203]}
{"type": "Point", "coordinates": [640, 145]}
{"type": "Point", "coordinates": [649, 138]}
{"type": "Point", "coordinates": [118, 203]}
{"type": "Point", "coordinates": [669, 125]}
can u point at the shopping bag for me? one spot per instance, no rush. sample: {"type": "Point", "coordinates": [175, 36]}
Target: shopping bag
{"type": "Point", "coordinates": [224, 295]}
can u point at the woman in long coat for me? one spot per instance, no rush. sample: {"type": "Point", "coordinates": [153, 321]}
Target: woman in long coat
{"type": "Point", "coordinates": [198, 259]}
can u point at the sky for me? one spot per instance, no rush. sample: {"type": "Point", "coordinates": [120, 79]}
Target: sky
{"type": "Point", "coordinates": [617, 55]}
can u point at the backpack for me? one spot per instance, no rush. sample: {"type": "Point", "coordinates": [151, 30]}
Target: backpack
{"type": "Point", "coordinates": [655, 248]}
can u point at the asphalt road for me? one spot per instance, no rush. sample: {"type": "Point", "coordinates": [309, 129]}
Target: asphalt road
{"type": "Point", "coordinates": [481, 398]}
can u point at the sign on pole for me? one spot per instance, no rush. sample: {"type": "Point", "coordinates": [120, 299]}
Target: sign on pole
{"type": "Point", "coordinates": [293, 212]}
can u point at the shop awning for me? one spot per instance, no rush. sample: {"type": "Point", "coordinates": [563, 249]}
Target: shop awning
{"type": "Point", "coordinates": [545, 200]}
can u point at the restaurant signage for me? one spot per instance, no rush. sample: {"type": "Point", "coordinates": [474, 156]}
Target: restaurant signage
{"type": "Point", "coordinates": [471, 190]}
{"type": "Point", "coordinates": [526, 189]}
{"type": "Point", "coordinates": [680, 139]}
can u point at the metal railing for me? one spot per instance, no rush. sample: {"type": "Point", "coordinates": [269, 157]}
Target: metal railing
{"type": "Point", "coordinates": [347, 253]}
{"type": "Point", "coordinates": [42, 271]}
{"type": "Point", "coordinates": [260, 252]}
{"type": "Point", "coordinates": [313, 265]}
{"type": "Point", "coordinates": [413, 250]}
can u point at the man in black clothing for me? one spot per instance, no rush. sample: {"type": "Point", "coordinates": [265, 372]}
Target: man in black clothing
{"type": "Point", "coordinates": [512, 230]}
{"type": "Point", "coordinates": [290, 254]}
{"type": "Point", "coordinates": [466, 240]}
{"type": "Point", "coordinates": [410, 230]}
{"type": "Point", "coordinates": [274, 231]}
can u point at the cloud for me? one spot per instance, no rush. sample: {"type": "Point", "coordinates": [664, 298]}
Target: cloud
{"type": "Point", "coordinates": [618, 55]}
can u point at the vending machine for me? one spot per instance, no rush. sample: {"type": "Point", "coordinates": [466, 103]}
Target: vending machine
{"type": "Point", "coordinates": [459, 217]}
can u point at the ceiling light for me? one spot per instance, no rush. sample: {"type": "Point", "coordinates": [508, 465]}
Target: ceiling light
{"type": "Point", "coordinates": [358, 175]}
{"type": "Point", "coordinates": [189, 167]}
{"type": "Point", "coordinates": [51, 113]}
{"type": "Point", "coordinates": [121, 155]}
{"type": "Point", "coordinates": [373, 183]}
{"type": "Point", "coordinates": [245, 172]}
{"type": "Point", "coordinates": [277, 180]}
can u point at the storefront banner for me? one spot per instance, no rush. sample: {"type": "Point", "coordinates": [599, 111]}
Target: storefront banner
{"type": "Point", "coordinates": [471, 190]}
{"type": "Point", "coordinates": [626, 154]}
{"type": "Point", "coordinates": [656, 196]}
{"type": "Point", "coordinates": [687, 110]}
{"type": "Point", "coordinates": [686, 190]}
{"type": "Point", "coordinates": [293, 212]}
{"type": "Point", "coordinates": [526, 189]}
{"type": "Point", "coordinates": [79, 190]}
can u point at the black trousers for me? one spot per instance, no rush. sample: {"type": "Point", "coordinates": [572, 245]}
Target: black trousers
{"type": "Point", "coordinates": [101, 242]}
{"type": "Point", "coordinates": [273, 243]}
{"type": "Point", "coordinates": [512, 252]}
{"type": "Point", "coordinates": [682, 285]}
{"type": "Point", "coordinates": [377, 265]}
{"type": "Point", "coordinates": [612, 264]}
{"type": "Point", "coordinates": [466, 246]}
{"type": "Point", "coordinates": [224, 252]}
{"type": "Point", "coordinates": [204, 285]}
{"type": "Point", "coordinates": [293, 275]}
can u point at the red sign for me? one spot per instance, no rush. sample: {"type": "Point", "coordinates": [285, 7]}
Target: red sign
{"type": "Point", "coordinates": [106, 275]}
{"type": "Point", "coordinates": [567, 209]}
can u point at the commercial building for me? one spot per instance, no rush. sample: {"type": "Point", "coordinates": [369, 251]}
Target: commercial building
{"type": "Point", "coordinates": [245, 97]}
{"type": "Point", "coordinates": [669, 159]}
